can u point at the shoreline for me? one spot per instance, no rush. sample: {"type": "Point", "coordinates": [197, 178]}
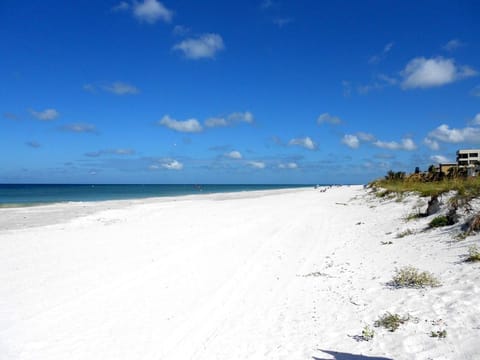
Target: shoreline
{"type": "Point", "coordinates": [46, 214]}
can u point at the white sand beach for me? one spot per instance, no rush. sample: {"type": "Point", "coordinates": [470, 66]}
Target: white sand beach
{"type": "Point", "coordinates": [285, 274]}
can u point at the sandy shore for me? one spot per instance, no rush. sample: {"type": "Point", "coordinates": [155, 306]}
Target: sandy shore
{"type": "Point", "coordinates": [287, 274]}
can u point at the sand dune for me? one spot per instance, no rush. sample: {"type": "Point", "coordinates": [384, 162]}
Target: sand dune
{"type": "Point", "coordinates": [289, 274]}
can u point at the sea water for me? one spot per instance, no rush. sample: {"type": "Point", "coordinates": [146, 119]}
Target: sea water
{"type": "Point", "coordinates": [34, 194]}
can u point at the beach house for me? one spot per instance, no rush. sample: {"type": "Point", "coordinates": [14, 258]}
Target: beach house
{"type": "Point", "coordinates": [470, 159]}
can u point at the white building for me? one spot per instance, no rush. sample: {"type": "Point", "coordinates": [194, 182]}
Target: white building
{"type": "Point", "coordinates": [469, 158]}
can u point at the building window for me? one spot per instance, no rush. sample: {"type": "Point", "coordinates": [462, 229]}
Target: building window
{"type": "Point", "coordinates": [473, 154]}
{"type": "Point", "coordinates": [462, 156]}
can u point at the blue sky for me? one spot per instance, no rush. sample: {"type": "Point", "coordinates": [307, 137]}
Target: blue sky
{"type": "Point", "coordinates": [258, 91]}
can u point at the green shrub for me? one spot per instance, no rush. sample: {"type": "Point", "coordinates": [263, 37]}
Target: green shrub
{"type": "Point", "coordinates": [411, 277]}
{"type": "Point", "coordinates": [439, 221]}
{"type": "Point", "coordinates": [441, 334]}
{"type": "Point", "coordinates": [473, 254]}
{"type": "Point", "coordinates": [391, 322]}
{"type": "Point", "coordinates": [367, 333]}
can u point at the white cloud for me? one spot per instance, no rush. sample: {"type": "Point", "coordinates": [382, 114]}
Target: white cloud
{"type": "Point", "coordinates": [204, 46]}
{"type": "Point", "coordinates": [234, 155]}
{"type": "Point", "coordinates": [45, 115]}
{"type": "Point", "coordinates": [266, 4]}
{"type": "Point", "coordinates": [424, 73]}
{"type": "Point", "coordinates": [257, 164]}
{"type": "Point", "coordinates": [151, 11]}
{"type": "Point", "coordinates": [80, 128]}
{"type": "Point", "coordinates": [305, 142]}
{"type": "Point", "coordinates": [363, 136]}
{"type": "Point", "coordinates": [445, 134]}
{"type": "Point", "coordinates": [380, 82]}
{"type": "Point", "coordinates": [351, 141]}
{"type": "Point", "coordinates": [110, 152]}
{"type": "Point", "coordinates": [153, 167]}
{"type": "Point", "coordinates": [236, 117]}
{"type": "Point", "coordinates": [327, 118]}
{"type": "Point", "coordinates": [439, 159]}
{"type": "Point", "coordinates": [120, 88]}
{"type": "Point", "coordinates": [290, 165]}
{"type": "Point", "coordinates": [375, 59]}
{"type": "Point", "coordinates": [121, 6]}
{"type": "Point", "coordinates": [172, 165]}
{"type": "Point", "coordinates": [116, 87]}
{"type": "Point", "coordinates": [405, 144]}
{"type": "Point", "coordinates": [453, 45]}
{"type": "Point", "coordinates": [432, 144]}
{"type": "Point", "coordinates": [476, 120]}
{"type": "Point", "coordinates": [190, 125]}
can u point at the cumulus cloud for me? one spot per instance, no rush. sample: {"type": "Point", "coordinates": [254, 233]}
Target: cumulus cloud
{"type": "Point", "coordinates": [424, 73]}
{"type": "Point", "coordinates": [256, 164]}
{"type": "Point", "coordinates": [432, 144]}
{"type": "Point", "coordinates": [79, 128]}
{"type": "Point", "coordinates": [45, 115]}
{"type": "Point", "coordinates": [116, 87]}
{"type": "Point", "coordinates": [363, 136]}
{"type": "Point", "coordinates": [351, 141]}
{"type": "Point", "coordinates": [453, 45]}
{"type": "Point", "coordinates": [354, 140]}
{"type": "Point", "coordinates": [444, 133]}
{"type": "Point", "coordinates": [172, 165]}
{"type": "Point", "coordinates": [405, 144]}
{"type": "Point", "coordinates": [110, 152]}
{"type": "Point", "coordinates": [234, 155]}
{"type": "Point", "coordinates": [290, 165]}
{"type": "Point", "coordinates": [305, 142]}
{"type": "Point", "coordinates": [190, 125]}
{"type": "Point", "coordinates": [330, 119]}
{"type": "Point", "coordinates": [151, 11]}
{"type": "Point", "coordinates": [205, 46]}
{"type": "Point", "coordinates": [231, 119]}
{"type": "Point", "coordinates": [439, 159]}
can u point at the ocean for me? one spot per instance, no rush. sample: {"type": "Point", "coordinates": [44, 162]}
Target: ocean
{"type": "Point", "coordinates": [35, 194]}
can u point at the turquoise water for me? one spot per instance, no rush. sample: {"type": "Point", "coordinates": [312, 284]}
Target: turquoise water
{"type": "Point", "coordinates": [34, 194]}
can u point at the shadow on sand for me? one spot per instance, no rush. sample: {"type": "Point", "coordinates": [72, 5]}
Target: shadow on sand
{"type": "Point", "coordinates": [347, 356]}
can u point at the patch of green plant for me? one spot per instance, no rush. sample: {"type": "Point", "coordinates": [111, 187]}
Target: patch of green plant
{"type": "Point", "coordinates": [439, 221]}
{"type": "Point", "coordinates": [473, 254]}
{"type": "Point", "coordinates": [413, 216]}
{"type": "Point", "coordinates": [391, 322]}
{"type": "Point", "coordinates": [367, 333]}
{"type": "Point", "coordinates": [441, 334]}
{"type": "Point", "coordinates": [404, 233]}
{"type": "Point", "coordinates": [411, 277]}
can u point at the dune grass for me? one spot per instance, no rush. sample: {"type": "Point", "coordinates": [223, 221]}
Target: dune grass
{"type": "Point", "coordinates": [410, 277]}
{"type": "Point", "coordinates": [464, 186]}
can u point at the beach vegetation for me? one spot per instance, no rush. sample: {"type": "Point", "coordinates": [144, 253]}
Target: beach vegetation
{"type": "Point", "coordinates": [440, 334]}
{"type": "Point", "coordinates": [411, 277]}
{"type": "Point", "coordinates": [473, 254]}
{"type": "Point", "coordinates": [405, 233]}
{"type": "Point", "coordinates": [473, 224]}
{"type": "Point", "coordinates": [430, 183]}
{"type": "Point", "coordinates": [367, 333]}
{"type": "Point", "coordinates": [391, 322]}
{"type": "Point", "coordinates": [439, 221]}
